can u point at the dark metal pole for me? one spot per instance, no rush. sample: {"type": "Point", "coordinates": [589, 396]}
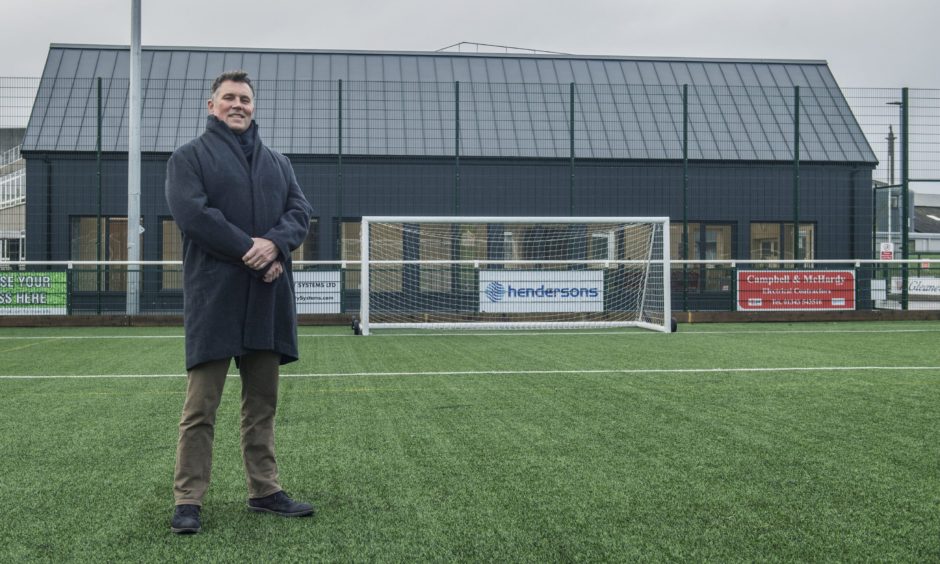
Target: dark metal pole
{"type": "Point", "coordinates": [457, 147]}
{"type": "Point", "coordinates": [49, 200]}
{"type": "Point", "coordinates": [98, 222]}
{"type": "Point", "coordinates": [891, 138]}
{"type": "Point", "coordinates": [571, 148]}
{"type": "Point", "coordinates": [685, 196]}
{"type": "Point", "coordinates": [905, 195]}
{"type": "Point", "coordinates": [339, 167]}
{"type": "Point", "coordinates": [796, 172]}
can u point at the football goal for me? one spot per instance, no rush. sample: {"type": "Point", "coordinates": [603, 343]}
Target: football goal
{"type": "Point", "coordinates": [514, 273]}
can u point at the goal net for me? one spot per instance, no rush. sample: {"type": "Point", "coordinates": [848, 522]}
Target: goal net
{"type": "Point", "coordinates": [514, 272]}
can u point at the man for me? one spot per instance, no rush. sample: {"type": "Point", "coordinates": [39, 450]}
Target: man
{"type": "Point", "coordinates": [241, 212]}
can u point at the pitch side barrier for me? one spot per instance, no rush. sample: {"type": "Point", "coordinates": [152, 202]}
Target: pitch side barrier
{"type": "Point", "coordinates": [333, 290]}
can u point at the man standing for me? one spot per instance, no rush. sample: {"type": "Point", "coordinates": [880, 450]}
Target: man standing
{"type": "Point", "coordinates": [241, 212]}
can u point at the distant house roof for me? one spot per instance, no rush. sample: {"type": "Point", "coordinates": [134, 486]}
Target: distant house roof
{"type": "Point", "coordinates": [403, 103]}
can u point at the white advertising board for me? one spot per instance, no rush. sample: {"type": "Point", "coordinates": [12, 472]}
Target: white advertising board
{"type": "Point", "coordinates": [917, 285]}
{"type": "Point", "coordinates": [538, 291]}
{"type": "Point", "coordinates": [317, 291]}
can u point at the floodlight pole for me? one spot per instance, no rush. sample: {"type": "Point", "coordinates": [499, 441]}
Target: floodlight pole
{"type": "Point", "coordinates": [685, 197]}
{"type": "Point", "coordinates": [133, 166]}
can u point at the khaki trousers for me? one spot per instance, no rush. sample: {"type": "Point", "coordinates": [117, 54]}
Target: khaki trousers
{"type": "Point", "coordinates": [259, 374]}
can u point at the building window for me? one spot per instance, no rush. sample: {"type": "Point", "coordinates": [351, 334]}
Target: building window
{"type": "Point", "coordinates": [387, 246]}
{"type": "Point", "coordinates": [707, 241]}
{"type": "Point", "coordinates": [13, 248]}
{"type": "Point", "coordinates": [434, 242]}
{"type": "Point", "coordinates": [539, 242]}
{"type": "Point", "coordinates": [675, 240]}
{"type": "Point", "coordinates": [308, 249]}
{"type": "Point", "coordinates": [89, 242]}
{"type": "Point", "coordinates": [466, 242]}
{"type": "Point", "coordinates": [602, 244]}
{"type": "Point", "coordinates": [472, 247]}
{"type": "Point", "coordinates": [171, 248]}
{"type": "Point", "coordinates": [510, 249]}
{"type": "Point", "coordinates": [349, 250]}
{"type": "Point", "coordinates": [774, 241]}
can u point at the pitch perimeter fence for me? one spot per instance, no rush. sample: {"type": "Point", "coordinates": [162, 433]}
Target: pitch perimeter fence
{"type": "Point", "coordinates": [776, 178]}
{"type": "Point", "coordinates": [331, 289]}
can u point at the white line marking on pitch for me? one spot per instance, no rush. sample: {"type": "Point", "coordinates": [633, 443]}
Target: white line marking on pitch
{"type": "Point", "coordinates": [510, 372]}
{"type": "Point", "coordinates": [508, 333]}
{"type": "Point", "coordinates": [85, 337]}
{"type": "Point", "coordinates": [639, 333]}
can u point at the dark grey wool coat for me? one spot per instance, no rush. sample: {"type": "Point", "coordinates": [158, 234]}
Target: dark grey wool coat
{"type": "Point", "coordinates": [220, 202]}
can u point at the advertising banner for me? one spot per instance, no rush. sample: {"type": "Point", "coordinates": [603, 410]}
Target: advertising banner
{"type": "Point", "coordinates": [917, 285]}
{"type": "Point", "coordinates": [317, 291]}
{"type": "Point", "coordinates": [795, 290]}
{"type": "Point", "coordinates": [539, 291]}
{"type": "Point", "coordinates": [33, 293]}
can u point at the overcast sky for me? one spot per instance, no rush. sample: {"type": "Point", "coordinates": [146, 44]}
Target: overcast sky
{"type": "Point", "coordinates": [867, 43]}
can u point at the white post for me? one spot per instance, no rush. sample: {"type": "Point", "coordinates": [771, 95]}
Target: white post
{"type": "Point", "coordinates": [364, 277]}
{"type": "Point", "coordinates": [667, 277]}
{"type": "Point", "coordinates": [133, 165]}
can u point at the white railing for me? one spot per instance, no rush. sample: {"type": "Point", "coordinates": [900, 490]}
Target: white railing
{"type": "Point", "coordinates": [13, 189]}
{"type": "Point", "coordinates": [10, 156]}
{"type": "Point", "coordinates": [870, 284]}
{"type": "Point", "coordinates": [345, 264]}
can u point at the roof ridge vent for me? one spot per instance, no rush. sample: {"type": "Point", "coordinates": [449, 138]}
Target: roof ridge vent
{"type": "Point", "coordinates": [473, 47]}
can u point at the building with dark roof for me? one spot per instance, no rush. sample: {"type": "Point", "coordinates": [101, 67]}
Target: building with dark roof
{"type": "Point", "coordinates": [12, 194]}
{"type": "Point", "coordinates": [427, 133]}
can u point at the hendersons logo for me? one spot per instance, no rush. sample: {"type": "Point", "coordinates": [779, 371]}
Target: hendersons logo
{"type": "Point", "coordinates": [496, 292]}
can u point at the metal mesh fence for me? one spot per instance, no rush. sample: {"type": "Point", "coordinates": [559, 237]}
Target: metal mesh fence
{"type": "Point", "coordinates": [788, 177]}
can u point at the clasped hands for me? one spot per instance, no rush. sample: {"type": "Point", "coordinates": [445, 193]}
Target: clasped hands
{"type": "Point", "coordinates": [260, 255]}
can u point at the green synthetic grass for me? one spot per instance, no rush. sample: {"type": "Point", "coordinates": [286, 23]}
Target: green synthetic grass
{"type": "Point", "coordinates": [603, 446]}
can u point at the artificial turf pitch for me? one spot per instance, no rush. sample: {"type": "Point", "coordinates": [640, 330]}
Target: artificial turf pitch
{"type": "Point", "coordinates": [770, 442]}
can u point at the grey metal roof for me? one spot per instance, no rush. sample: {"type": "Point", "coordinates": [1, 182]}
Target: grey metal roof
{"type": "Point", "coordinates": [925, 219]}
{"type": "Point", "coordinates": [403, 103]}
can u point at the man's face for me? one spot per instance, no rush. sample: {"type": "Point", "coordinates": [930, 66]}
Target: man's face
{"type": "Point", "coordinates": [233, 104]}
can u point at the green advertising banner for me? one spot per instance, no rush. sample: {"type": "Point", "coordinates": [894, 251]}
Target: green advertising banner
{"type": "Point", "coordinates": [33, 293]}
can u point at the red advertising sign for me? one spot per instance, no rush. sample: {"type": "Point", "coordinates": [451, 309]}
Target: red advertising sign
{"type": "Point", "coordinates": [796, 290]}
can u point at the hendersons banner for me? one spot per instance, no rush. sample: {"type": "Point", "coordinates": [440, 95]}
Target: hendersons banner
{"type": "Point", "coordinates": [539, 291]}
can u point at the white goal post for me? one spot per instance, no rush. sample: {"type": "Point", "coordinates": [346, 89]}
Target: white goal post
{"type": "Point", "coordinates": [455, 272]}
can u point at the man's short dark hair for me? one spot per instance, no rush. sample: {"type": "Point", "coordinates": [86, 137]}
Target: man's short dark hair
{"type": "Point", "coordinates": [234, 76]}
